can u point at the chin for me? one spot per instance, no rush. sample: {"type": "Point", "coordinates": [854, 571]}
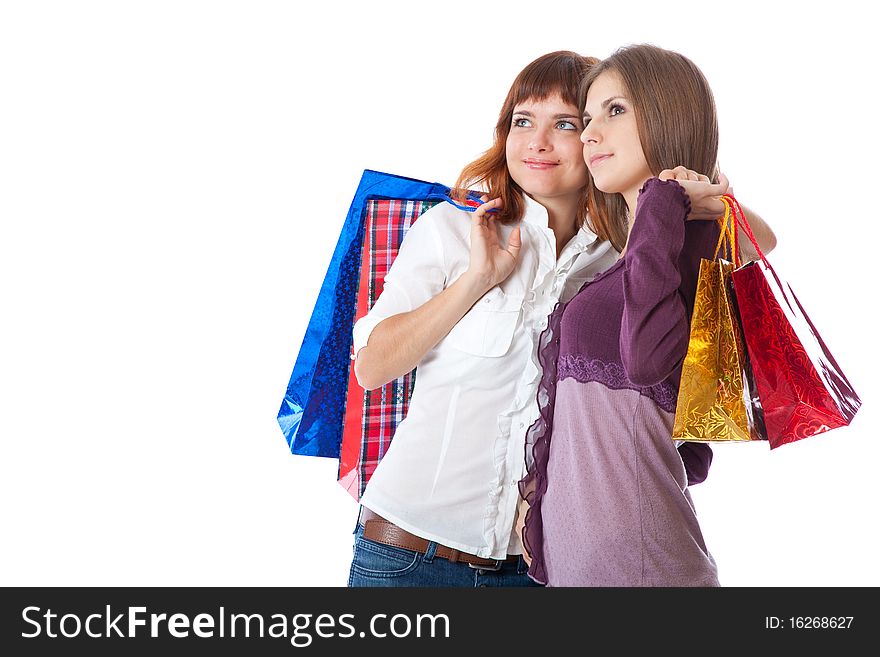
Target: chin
{"type": "Point", "coordinates": [542, 190]}
{"type": "Point", "coordinates": [539, 187]}
{"type": "Point", "coordinates": [605, 187]}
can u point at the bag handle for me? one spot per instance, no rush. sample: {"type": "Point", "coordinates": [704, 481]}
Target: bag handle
{"type": "Point", "coordinates": [443, 193]}
{"type": "Point", "coordinates": [728, 233]}
{"type": "Point", "coordinates": [740, 217]}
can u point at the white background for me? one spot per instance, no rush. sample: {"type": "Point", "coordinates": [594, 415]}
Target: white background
{"type": "Point", "coordinates": [173, 179]}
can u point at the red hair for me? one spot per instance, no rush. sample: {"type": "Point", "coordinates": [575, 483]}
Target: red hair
{"type": "Point", "coordinates": [557, 73]}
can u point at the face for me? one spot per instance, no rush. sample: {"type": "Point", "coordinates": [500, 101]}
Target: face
{"type": "Point", "coordinates": [544, 150]}
{"type": "Point", "coordinates": [611, 144]}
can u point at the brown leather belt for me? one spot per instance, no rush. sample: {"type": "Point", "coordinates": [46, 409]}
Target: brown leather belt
{"type": "Point", "coordinates": [379, 530]}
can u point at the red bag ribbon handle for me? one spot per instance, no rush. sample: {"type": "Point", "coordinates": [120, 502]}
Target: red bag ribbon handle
{"type": "Point", "coordinates": [740, 217]}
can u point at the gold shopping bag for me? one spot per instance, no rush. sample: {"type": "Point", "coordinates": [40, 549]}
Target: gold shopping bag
{"type": "Point", "coordinates": [716, 396]}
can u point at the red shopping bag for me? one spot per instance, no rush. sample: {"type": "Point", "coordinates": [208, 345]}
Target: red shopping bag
{"type": "Point", "coordinates": [372, 416]}
{"type": "Point", "coordinates": [802, 389]}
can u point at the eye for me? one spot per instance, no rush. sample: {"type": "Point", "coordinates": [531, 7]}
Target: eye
{"type": "Point", "coordinates": [567, 125]}
{"type": "Point", "coordinates": [615, 109]}
{"type": "Point", "coordinates": [521, 122]}
{"type": "Point", "coordinates": [586, 121]}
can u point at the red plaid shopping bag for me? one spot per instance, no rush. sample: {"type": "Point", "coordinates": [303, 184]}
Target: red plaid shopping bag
{"type": "Point", "coordinates": [367, 434]}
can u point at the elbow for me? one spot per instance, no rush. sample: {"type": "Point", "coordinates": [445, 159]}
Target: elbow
{"type": "Point", "coordinates": [367, 376]}
{"type": "Point", "coordinates": [766, 238]}
{"type": "Point", "coordinates": [363, 375]}
{"type": "Point", "coordinates": [639, 371]}
{"type": "Point", "coordinates": [648, 368]}
{"type": "Point", "coordinates": [641, 376]}
{"type": "Point", "coordinates": [697, 457]}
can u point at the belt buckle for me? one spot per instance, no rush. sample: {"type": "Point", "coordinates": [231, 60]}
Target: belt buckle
{"type": "Point", "coordinates": [497, 566]}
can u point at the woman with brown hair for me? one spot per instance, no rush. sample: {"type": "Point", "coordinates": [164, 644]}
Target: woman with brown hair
{"type": "Point", "coordinates": [465, 301]}
{"type": "Point", "coordinates": [609, 500]}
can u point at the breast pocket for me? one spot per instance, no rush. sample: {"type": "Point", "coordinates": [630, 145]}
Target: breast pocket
{"type": "Point", "coordinates": [487, 329]}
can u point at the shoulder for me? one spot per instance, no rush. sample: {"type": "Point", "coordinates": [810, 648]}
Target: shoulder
{"type": "Point", "coordinates": [446, 222]}
{"type": "Point", "coordinates": [446, 214]}
{"type": "Point", "coordinates": [594, 247]}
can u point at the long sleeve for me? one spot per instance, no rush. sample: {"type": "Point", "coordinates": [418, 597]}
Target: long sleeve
{"type": "Point", "coordinates": [654, 329]}
{"type": "Point", "coordinates": [697, 457]}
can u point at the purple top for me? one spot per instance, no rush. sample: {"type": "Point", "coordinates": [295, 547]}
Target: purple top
{"type": "Point", "coordinates": [609, 504]}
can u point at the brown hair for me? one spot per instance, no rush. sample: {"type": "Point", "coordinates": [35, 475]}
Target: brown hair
{"type": "Point", "coordinates": [561, 73]}
{"type": "Point", "coordinates": [675, 115]}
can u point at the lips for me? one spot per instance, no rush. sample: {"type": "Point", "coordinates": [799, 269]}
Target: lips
{"type": "Point", "coordinates": [532, 163]}
{"type": "Point", "coordinates": [598, 158]}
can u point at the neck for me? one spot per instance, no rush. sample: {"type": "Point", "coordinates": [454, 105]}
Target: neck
{"type": "Point", "coordinates": [562, 219]}
{"type": "Point", "coordinates": [631, 202]}
{"type": "Point", "coordinates": [632, 198]}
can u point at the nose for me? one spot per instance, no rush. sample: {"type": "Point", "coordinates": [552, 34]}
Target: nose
{"type": "Point", "coordinates": [589, 134]}
{"type": "Point", "coordinates": [540, 142]}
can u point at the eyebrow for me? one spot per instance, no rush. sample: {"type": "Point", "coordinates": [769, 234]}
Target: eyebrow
{"type": "Point", "coordinates": [555, 116]}
{"type": "Point", "coordinates": [606, 103]}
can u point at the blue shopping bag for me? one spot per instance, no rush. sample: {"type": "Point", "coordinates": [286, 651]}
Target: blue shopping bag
{"type": "Point", "coordinates": [312, 413]}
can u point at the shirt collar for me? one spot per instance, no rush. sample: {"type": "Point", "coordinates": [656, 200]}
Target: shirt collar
{"type": "Point", "coordinates": [536, 214]}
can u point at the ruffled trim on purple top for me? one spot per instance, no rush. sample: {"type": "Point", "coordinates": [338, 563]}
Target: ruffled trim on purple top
{"type": "Point", "coordinates": [537, 444]}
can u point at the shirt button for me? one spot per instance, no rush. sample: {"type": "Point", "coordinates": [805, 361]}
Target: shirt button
{"type": "Point", "coordinates": [522, 425]}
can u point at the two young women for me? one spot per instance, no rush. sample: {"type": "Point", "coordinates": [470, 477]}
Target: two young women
{"type": "Point", "coordinates": [467, 300]}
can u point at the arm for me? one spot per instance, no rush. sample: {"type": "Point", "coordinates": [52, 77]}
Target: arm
{"type": "Point", "coordinates": [520, 524]}
{"type": "Point", "coordinates": [527, 495]}
{"type": "Point", "coordinates": [697, 457]}
{"type": "Point", "coordinates": [710, 207]}
{"type": "Point", "coordinates": [654, 327]}
{"type": "Point", "coordinates": [655, 320]}
{"type": "Point", "coordinates": [397, 344]}
{"type": "Point", "coordinates": [419, 312]}
{"type": "Point", "coordinates": [763, 234]}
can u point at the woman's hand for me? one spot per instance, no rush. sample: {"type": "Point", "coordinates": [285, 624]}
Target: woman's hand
{"type": "Point", "coordinates": [520, 524]}
{"type": "Point", "coordinates": [490, 262]}
{"type": "Point", "coordinates": [705, 195]}
{"type": "Point", "coordinates": [706, 205]}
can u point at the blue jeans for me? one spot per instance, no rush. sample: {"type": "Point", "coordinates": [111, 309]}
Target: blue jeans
{"type": "Point", "coordinates": [375, 564]}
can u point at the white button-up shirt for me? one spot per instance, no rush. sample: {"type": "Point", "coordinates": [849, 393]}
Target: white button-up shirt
{"type": "Point", "coordinates": [450, 474]}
